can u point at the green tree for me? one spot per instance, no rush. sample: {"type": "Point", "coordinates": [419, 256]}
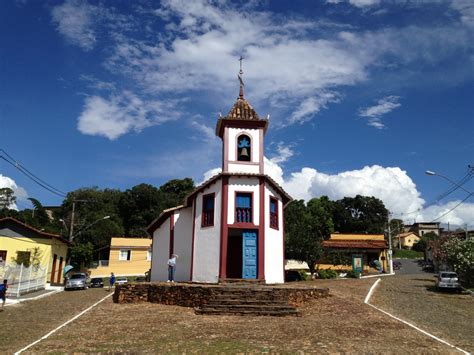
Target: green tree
{"type": "Point", "coordinates": [306, 226]}
{"type": "Point", "coordinates": [7, 198]}
{"type": "Point", "coordinates": [360, 214]}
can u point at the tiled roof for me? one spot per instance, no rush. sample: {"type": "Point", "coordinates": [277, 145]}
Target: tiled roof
{"type": "Point", "coordinates": [356, 244]}
{"type": "Point", "coordinates": [242, 110]}
{"type": "Point", "coordinates": [33, 229]}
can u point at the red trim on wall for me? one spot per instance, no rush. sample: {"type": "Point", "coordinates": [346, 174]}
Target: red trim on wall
{"type": "Point", "coordinates": [223, 123]}
{"type": "Point", "coordinates": [171, 251]}
{"type": "Point", "coordinates": [60, 269]}
{"type": "Point", "coordinates": [202, 210]}
{"type": "Point", "coordinates": [261, 231]}
{"type": "Point", "coordinates": [277, 204]}
{"type": "Point", "coordinates": [53, 270]}
{"type": "Point", "coordinates": [243, 226]}
{"type": "Point", "coordinates": [261, 152]}
{"type": "Point", "coordinates": [283, 234]}
{"type": "Point", "coordinates": [225, 148]}
{"type": "Point", "coordinates": [192, 245]}
{"type": "Point", "coordinates": [224, 228]}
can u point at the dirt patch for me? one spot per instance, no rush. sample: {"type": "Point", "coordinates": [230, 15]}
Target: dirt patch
{"type": "Point", "coordinates": [340, 323]}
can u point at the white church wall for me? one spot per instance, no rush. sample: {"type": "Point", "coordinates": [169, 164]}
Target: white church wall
{"type": "Point", "coordinates": [274, 258]}
{"type": "Point", "coordinates": [243, 184]}
{"type": "Point", "coordinates": [254, 135]}
{"type": "Point", "coordinates": [183, 229]}
{"type": "Point", "coordinates": [160, 253]}
{"type": "Point", "coordinates": [207, 240]}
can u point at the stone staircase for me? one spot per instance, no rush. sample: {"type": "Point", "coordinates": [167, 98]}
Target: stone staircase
{"type": "Point", "coordinates": [247, 300]}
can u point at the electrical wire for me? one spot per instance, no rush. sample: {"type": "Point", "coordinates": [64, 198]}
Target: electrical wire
{"type": "Point", "coordinates": [452, 209]}
{"type": "Point", "coordinates": [30, 175]}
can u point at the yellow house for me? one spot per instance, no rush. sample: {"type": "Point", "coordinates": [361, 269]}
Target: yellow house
{"type": "Point", "coordinates": [46, 251]}
{"type": "Point", "coordinates": [406, 240]}
{"type": "Point", "coordinates": [370, 246]}
{"type": "Point", "coordinates": [128, 257]}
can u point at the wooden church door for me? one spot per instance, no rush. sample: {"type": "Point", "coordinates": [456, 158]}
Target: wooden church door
{"type": "Point", "coordinates": [249, 255]}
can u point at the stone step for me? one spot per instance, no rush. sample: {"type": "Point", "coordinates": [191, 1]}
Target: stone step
{"type": "Point", "coordinates": [247, 312]}
{"type": "Point", "coordinates": [247, 301]}
{"type": "Point", "coordinates": [249, 307]}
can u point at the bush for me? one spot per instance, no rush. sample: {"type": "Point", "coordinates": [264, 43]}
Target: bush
{"type": "Point", "coordinates": [327, 274]}
{"type": "Point", "coordinates": [304, 275]}
{"type": "Point", "coordinates": [353, 274]}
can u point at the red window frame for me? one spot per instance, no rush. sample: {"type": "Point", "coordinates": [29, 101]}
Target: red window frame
{"type": "Point", "coordinates": [207, 219]}
{"type": "Point", "coordinates": [243, 213]}
{"type": "Point", "coordinates": [273, 215]}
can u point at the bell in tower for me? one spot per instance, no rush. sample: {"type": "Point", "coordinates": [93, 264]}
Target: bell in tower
{"type": "Point", "coordinates": [243, 148]}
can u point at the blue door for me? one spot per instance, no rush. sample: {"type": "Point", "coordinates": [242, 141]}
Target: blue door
{"type": "Point", "coordinates": [249, 257]}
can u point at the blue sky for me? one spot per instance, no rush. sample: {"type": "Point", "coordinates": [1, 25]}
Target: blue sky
{"type": "Point", "coordinates": [363, 95]}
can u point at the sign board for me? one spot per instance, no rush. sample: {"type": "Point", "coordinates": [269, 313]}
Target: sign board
{"type": "Point", "coordinates": [390, 251]}
{"type": "Point", "coordinates": [357, 263]}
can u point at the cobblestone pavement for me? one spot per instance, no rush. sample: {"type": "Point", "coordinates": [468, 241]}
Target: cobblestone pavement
{"type": "Point", "coordinates": [413, 297]}
{"type": "Point", "coordinates": [337, 324]}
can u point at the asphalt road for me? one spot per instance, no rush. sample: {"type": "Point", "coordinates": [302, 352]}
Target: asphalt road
{"type": "Point", "coordinates": [411, 295]}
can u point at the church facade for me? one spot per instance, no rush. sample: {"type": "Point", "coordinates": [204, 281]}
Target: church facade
{"type": "Point", "coordinates": [230, 227]}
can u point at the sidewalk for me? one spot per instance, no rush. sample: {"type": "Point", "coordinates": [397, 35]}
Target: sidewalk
{"type": "Point", "coordinates": [50, 290]}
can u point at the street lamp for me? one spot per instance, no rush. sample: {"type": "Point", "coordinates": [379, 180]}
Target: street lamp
{"type": "Point", "coordinates": [432, 173]}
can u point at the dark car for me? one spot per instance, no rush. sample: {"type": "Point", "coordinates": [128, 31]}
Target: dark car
{"type": "Point", "coordinates": [292, 275]}
{"type": "Point", "coordinates": [97, 282]}
{"type": "Point", "coordinates": [140, 279]}
{"type": "Point", "coordinates": [397, 265]}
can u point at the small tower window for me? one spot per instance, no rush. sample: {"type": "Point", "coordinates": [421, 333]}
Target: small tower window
{"type": "Point", "coordinates": [243, 208]}
{"type": "Point", "coordinates": [243, 148]}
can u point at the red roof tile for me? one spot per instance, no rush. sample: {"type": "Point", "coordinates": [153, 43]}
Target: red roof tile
{"type": "Point", "coordinates": [356, 244]}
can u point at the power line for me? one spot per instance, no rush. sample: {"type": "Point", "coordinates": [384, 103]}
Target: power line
{"type": "Point", "coordinates": [10, 160]}
{"type": "Point", "coordinates": [452, 209]}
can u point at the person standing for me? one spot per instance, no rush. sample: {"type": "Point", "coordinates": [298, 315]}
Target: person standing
{"type": "Point", "coordinates": [172, 267]}
{"type": "Point", "coordinates": [111, 280]}
{"type": "Point", "coordinates": [3, 292]}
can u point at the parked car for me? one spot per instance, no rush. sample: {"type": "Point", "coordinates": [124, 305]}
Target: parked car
{"type": "Point", "coordinates": [140, 279]}
{"type": "Point", "coordinates": [447, 280]}
{"type": "Point", "coordinates": [120, 280]}
{"type": "Point", "coordinates": [77, 281]}
{"type": "Point", "coordinates": [397, 265]}
{"type": "Point", "coordinates": [292, 275]}
{"type": "Point", "coordinates": [97, 282]}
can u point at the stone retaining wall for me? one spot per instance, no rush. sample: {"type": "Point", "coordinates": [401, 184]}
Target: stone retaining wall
{"type": "Point", "coordinates": [197, 295]}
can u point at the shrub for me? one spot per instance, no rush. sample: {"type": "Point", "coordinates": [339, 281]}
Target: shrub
{"type": "Point", "coordinates": [353, 274]}
{"type": "Point", "coordinates": [327, 274]}
{"type": "Point", "coordinates": [304, 275]}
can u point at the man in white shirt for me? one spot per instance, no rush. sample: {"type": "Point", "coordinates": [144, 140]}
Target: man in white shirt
{"type": "Point", "coordinates": [172, 267]}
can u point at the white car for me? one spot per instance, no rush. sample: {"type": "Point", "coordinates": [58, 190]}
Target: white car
{"type": "Point", "coordinates": [447, 281]}
{"type": "Point", "coordinates": [121, 280]}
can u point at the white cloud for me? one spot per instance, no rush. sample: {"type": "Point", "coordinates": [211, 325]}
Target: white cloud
{"type": "Point", "coordinates": [19, 192]}
{"type": "Point", "coordinates": [384, 106]}
{"type": "Point", "coordinates": [75, 21]}
{"type": "Point", "coordinates": [460, 215]}
{"type": "Point", "coordinates": [357, 3]}
{"type": "Point", "coordinates": [284, 152]}
{"type": "Point", "coordinates": [121, 114]}
{"type": "Point", "coordinates": [466, 10]}
{"type": "Point", "coordinates": [97, 84]}
{"type": "Point", "coordinates": [312, 105]}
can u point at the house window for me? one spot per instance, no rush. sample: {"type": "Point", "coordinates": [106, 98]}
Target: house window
{"type": "Point", "coordinates": [243, 148]}
{"type": "Point", "coordinates": [125, 254]}
{"type": "Point", "coordinates": [3, 256]}
{"type": "Point", "coordinates": [207, 210]}
{"type": "Point", "coordinates": [273, 213]}
{"type": "Point", "coordinates": [243, 208]}
{"type": "Point", "coordinates": [148, 255]}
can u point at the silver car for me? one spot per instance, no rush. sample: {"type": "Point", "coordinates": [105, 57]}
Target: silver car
{"type": "Point", "coordinates": [447, 280]}
{"type": "Point", "coordinates": [77, 281]}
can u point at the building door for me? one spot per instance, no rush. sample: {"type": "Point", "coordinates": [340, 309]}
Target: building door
{"type": "Point", "coordinates": [249, 255]}
{"type": "Point", "coordinates": [60, 269]}
{"type": "Point", "coordinates": [53, 270]}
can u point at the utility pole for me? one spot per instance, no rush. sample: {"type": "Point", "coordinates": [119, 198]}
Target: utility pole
{"type": "Point", "coordinates": [390, 251]}
{"type": "Point", "coordinates": [71, 229]}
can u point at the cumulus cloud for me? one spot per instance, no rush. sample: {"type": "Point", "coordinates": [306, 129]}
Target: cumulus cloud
{"type": "Point", "coordinates": [75, 21]}
{"type": "Point", "coordinates": [19, 192]}
{"type": "Point", "coordinates": [384, 106]}
{"type": "Point", "coordinates": [283, 153]}
{"type": "Point", "coordinates": [122, 113]}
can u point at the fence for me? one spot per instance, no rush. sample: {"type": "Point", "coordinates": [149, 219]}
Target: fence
{"type": "Point", "coordinates": [22, 279]}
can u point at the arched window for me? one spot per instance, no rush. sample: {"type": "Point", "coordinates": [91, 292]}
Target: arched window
{"type": "Point", "coordinates": [243, 148]}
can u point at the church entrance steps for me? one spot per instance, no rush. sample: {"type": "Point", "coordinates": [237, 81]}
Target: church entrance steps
{"type": "Point", "coordinates": [251, 300]}
{"type": "Point", "coordinates": [242, 281]}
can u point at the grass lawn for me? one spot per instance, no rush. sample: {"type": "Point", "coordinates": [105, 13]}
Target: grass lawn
{"type": "Point", "coordinates": [340, 323]}
{"type": "Point", "coordinates": [407, 254]}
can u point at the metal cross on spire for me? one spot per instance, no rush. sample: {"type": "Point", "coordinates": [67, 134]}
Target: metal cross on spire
{"type": "Point", "coordinates": [241, 91]}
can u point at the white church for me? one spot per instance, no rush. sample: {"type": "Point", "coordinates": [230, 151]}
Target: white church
{"type": "Point", "coordinates": [230, 227]}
